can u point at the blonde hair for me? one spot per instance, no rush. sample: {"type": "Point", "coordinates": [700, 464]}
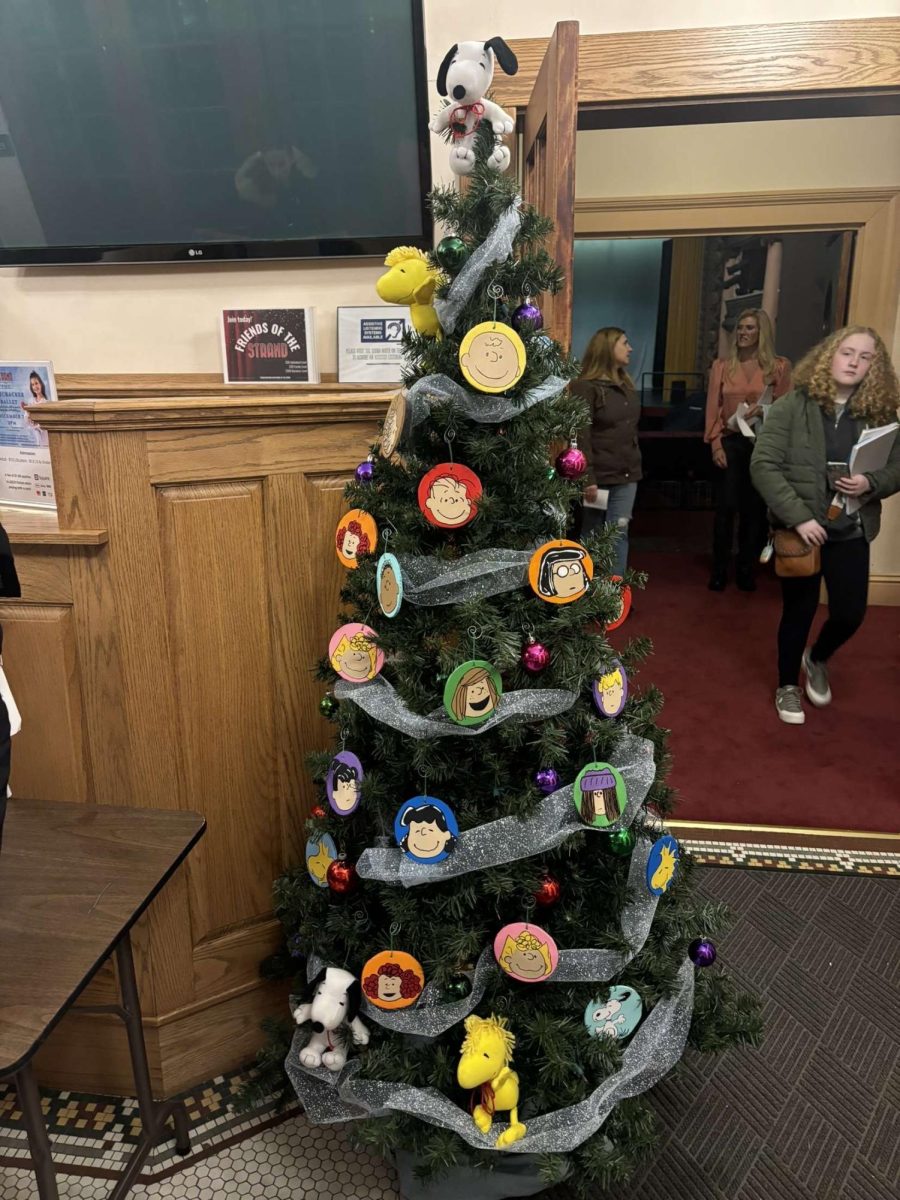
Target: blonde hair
{"type": "Point", "coordinates": [875, 400]}
{"type": "Point", "coordinates": [765, 347]}
{"type": "Point", "coordinates": [599, 361]}
{"type": "Point", "coordinates": [359, 641]}
{"type": "Point", "coordinates": [526, 941]}
{"type": "Point", "coordinates": [611, 679]}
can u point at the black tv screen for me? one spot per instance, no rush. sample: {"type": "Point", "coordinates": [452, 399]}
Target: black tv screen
{"type": "Point", "coordinates": [166, 130]}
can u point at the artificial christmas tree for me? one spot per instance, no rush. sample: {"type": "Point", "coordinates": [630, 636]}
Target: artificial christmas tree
{"type": "Point", "coordinates": [515, 901]}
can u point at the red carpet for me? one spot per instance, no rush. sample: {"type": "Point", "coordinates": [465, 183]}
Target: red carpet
{"type": "Point", "coordinates": [734, 761]}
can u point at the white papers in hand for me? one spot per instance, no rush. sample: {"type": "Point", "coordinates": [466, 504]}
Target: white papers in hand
{"type": "Point", "coordinates": [870, 454]}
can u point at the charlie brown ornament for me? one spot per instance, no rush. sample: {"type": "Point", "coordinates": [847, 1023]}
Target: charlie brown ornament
{"type": "Point", "coordinates": [472, 692]}
{"type": "Point", "coordinates": [492, 357]}
{"type": "Point", "coordinates": [353, 654]}
{"type": "Point", "coordinates": [392, 979]}
{"type": "Point", "coordinates": [426, 829]}
{"type": "Point", "coordinates": [448, 495]}
{"type": "Point", "coordinates": [357, 534]}
{"type": "Point", "coordinates": [560, 571]}
{"type": "Point", "coordinates": [526, 952]}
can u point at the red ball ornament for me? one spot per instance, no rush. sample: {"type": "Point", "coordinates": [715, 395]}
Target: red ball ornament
{"type": "Point", "coordinates": [341, 877]}
{"type": "Point", "coordinates": [318, 812]}
{"type": "Point", "coordinates": [535, 657]}
{"type": "Point", "coordinates": [572, 462]}
{"type": "Point", "coordinates": [548, 893]}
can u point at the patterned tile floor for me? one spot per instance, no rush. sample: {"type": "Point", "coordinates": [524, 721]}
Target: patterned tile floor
{"type": "Point", "coordinates": [813, 1115]}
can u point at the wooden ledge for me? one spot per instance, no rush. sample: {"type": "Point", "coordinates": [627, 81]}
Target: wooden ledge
{"type": "Point", "coordinates": [40, 527]}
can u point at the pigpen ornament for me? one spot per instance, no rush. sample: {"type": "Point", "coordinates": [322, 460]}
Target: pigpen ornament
{"type": "Point", "coordinates": [389, 585]}
{"type": "Point", "coordinates": [560, 571]}
{"type": "Point", "coordinates": [492, 357]}
{"type": "Point", "coordinates": [321, 852]}
{"type": "Point", "coordinates": [599, 794]}
{"type": "Point", "coordinates": [343, 783]}
{"type": "Point", "coordinates": [426, 830]}
{"type": "Point", "coordinates": [662, 864]}
{"type": "Point", "coordinates": [411, 280]}
{"type": "Point", "coordinates": [610, 691]}
{"type": "Point", "coordinates": [617, 1015]}
{"type": "Point", "coordinates": [526, 952]}
{"type": "Point", "coordinates": [485, 1068]}
{"type": "Point", "coordinates": [393, 425]}
{"type": "Point", "coordinates": [353, 653]}
{"type": "Point", "coordinates": [448, 495]}
{"type": "Point", "coordinates": [464, 77]}
{"type": "Point", "coordinates": [332, 1005]}
{"type": "Point", "coordinates": [392, 979]}
{"type": "Point", "coordinates": [472, 692]}
{"type": "Point", "coordinates": [356, 535]}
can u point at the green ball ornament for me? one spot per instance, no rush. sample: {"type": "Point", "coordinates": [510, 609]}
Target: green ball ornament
{"type": "Point", "coordinates": [457, 989]}
{"type": "Point", "coordinates": [551, 472]}
{"type": "Point", "coordinates": [328, 706]}
{"type": "Point", "coordinates": [451, 253]}
{"type": "Point", "coordinates": [621, 842]}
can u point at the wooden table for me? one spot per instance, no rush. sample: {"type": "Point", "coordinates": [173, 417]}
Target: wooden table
{"type": "Point", "coordinates": [73, 881]}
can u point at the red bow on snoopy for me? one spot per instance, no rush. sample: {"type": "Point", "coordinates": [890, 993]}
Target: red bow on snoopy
{"type": "Point", "coordinates": [459, 119]}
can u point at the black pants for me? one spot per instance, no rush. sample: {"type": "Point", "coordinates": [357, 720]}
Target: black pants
{"type": "Point", "coordinates": [845, 568]}
{"type": "Point", "coordinates": [737, 497]}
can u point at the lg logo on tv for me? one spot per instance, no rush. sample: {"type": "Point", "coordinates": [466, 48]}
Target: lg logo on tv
{"type": "Point", "coordinates": [195, 253]}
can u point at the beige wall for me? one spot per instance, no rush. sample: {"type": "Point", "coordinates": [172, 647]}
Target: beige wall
{"type": "Point", "coordinates": [164, 318]}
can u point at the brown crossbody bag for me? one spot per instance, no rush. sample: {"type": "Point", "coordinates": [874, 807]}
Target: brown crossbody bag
{"type": "Point", "coordinates": [795, 558]}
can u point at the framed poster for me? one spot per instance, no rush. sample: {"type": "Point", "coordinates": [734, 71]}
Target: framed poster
{"type": "Point", "coordinates": [269, 345]}
{"type": "Point", "coordinates": [25, 475]}
{"type": "Point", "coordinates": [370, 343]}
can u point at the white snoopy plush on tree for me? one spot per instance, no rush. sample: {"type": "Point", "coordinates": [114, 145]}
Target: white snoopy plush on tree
{"type": "Point", "coordinates": [464, 77]}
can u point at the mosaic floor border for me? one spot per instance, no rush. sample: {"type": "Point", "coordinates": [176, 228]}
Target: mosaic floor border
{"type": "Point", "coordinates": [774, 857]}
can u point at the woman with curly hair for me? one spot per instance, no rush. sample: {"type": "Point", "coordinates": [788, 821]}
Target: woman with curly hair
{"type": "Point", "coordinates": [844, 385]}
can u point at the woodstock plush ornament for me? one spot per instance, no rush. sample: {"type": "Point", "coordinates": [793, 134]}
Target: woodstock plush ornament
{"type": "Point", "coordinates": [464, 77]}
{"type": "Point", "coordinates": [484, 1063]}
{"type": "Point", "coordinates": [411, 280]}
{"type": "Point", "coordinates": [335, 997]}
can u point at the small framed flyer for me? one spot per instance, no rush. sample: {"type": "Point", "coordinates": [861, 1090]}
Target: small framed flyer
{"type": "Point", "coordinates": [370, 343]}
{"type": "Point", "coordinates": [269, 345]}
{"type": "Point", "coordinates": [25, 475]}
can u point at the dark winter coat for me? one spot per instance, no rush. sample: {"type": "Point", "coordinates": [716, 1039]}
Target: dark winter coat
{"type": "Point", "coordinates": [611, 443]}
{"type": "Point", "coordinates": [789, 467]}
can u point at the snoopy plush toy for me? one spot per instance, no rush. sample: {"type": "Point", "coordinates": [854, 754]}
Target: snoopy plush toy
{"type": "Point", "coordinates": [464, 76]}
{"type": "Point", "coordinates": [335, 999]}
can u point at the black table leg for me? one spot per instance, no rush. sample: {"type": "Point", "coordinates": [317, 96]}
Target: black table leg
{"type": "Point", "coordinates": [38, 1141]}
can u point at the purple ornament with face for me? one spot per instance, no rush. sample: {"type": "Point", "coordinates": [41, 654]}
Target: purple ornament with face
{"type": "Point", "coordinates": [547, 780]}
{"type": "Point", "coordinates": [702, 952]}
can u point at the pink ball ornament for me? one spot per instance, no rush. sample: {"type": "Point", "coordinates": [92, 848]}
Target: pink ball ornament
{"type": "Point", "coordinates": [571, 463]}
{"type": "Point", "coordinates": [535, 657]}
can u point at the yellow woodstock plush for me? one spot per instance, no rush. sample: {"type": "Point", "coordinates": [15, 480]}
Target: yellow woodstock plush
{"type": "Point", "coordinates": [484, 1063]}
{"type": "Point", "coordinates": [411, 280]}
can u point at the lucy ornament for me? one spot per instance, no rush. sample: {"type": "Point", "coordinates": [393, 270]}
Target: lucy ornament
{"type": "Point", "coordinates": [547, 780]}
{"type": "Point", "coordinates": [572, 463]}
{"type": "Point", "coordinates": [341, 877]}
{"type": "Point", "coordinates": [548, 893]}
{"type": "Point", "coordinates": [527, 318]}
{"type": "Point", "coordinates": [535, 657]}
{"type": "Point", "coordinates": [702, 952]}
{"type": "Point", "coordinates": [451, 253]}
{"type": "Point", "coordinates": [485, 1063]}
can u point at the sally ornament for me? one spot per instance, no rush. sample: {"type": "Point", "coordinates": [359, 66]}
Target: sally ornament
{"type": "Point", "coordinates": [492, 357]}
{"type": "Point", "coordinates": [526, 952]}
{"type": "Point", "coordinates": [353, 654]}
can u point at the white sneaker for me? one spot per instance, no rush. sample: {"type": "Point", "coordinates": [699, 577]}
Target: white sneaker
{"type": "Point", "coordinates": [816, 681]}
{"type": "Point", "coordinates": [789, 705]}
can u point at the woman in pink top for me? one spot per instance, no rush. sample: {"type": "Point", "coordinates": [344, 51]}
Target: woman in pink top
{"type": "Point", "coordinates": [742, 378]}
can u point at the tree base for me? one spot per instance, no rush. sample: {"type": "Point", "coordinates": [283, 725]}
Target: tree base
{"type": "Point", "coordinates": [514, 1175]}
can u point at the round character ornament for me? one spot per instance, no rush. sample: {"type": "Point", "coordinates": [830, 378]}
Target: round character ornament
{"type": "Point", "coordinates": [661, 865]}
{"type": "Point", "coordinates": [560, 571]}
{"type": "Point", "coordinates": [357, 534]}
{"type": "Point", "coordinates": [448, 495]}
{"type": "Point", "coordinates": [492, 357]}
{"type": "Point", "coordinates": [472, 692]}
{"type": "Point", "coordinates": [392, 979]}
{"type": "Point", "coordinates": [343, 783]}
{"type": "Point", "coordinates": [615, 1016]}
{"type": "Point", "coordinates": [321, 852]}
{"type": "Point", "coordinates": [389, 585]}
{"type": "Point", "coordinates": [526, 952]}
{"type": "Point", "coordinates": [353, 653]}
{"type": "Point", "coordinates": [610, 691]}
{"type": "Point", "coordinates": [426, 829]}
{"type": "Point", "coordinates": [392, 429]}
{"type": "Point", "coordinates": [625, 604]}
{"type": "Point", "coordinates": [599, 794]}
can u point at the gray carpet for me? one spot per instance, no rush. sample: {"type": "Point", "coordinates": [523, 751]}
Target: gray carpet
{"type": "Point", "coordinates": [815, 1113]}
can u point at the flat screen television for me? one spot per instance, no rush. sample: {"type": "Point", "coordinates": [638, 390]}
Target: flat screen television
{"type": "Point", "coordinates": [196, 130]}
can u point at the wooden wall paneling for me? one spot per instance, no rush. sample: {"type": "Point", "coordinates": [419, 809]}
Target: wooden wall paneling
{"type": "Point", "coordinates": [791, 59]}
{"type": "Point", "coordinates": [228, 965]}
{"type": "Point", "coordinates": [48, 754]}
{"type": "Point", "coordinates": [43, 574]}
{"type": "Point", "coordinates": [214, 554]}
{"type": "Point", "coordinates": [684, 304]}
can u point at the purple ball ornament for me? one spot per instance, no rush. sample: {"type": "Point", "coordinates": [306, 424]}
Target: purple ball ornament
{"type": "Point", "coordinates": [535, 657]}
{"type": "Point", "coordinates": [365, 472]}
{"type": "Point", "coordinates": [547, 780]}
{"type": "Point", "coordinates": [527, 318]}
{"type": "Point", "coordinates": [702, 952]}
{"type": "Point", "coordinates": [572, 462]}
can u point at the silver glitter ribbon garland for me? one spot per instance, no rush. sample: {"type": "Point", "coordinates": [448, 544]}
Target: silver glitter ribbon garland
{"type": "Point", "coordinates": [510, 839]}
{"type": "Point", "coordinates": [475, 576]}
{"type": "Point", "coordinates": [496, 247]}
{"type": "Point", "coordinates": [480, 406]}
{"type": "Point", "coordinates": [651, 1054]}
{"type": "Point", "coordinates": [379, 699]}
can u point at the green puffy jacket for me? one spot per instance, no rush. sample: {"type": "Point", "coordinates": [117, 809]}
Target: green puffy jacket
{"type": "Point", "coordinates": [788, 467]}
